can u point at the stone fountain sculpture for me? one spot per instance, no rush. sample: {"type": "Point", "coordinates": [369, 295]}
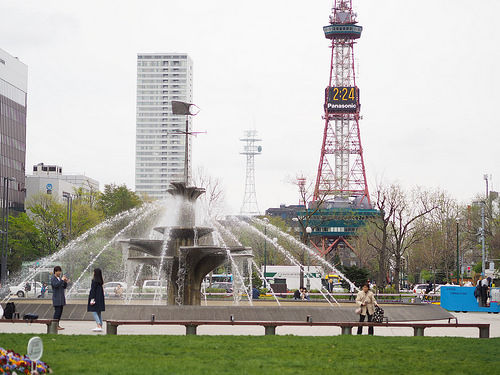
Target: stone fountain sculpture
{"type": "Point", "coordinates": [184, 263]}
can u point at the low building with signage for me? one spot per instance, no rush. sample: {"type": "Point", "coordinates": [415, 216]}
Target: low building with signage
{"type": "Point", "coordinates": [50, 179]}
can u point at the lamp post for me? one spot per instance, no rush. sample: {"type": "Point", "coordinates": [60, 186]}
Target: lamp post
{"type": "Point", "coordinates": [458, 256]}
{"type": "Point", "coordinates": [90, 268]}
{"type": "Point", "coordinates": [69, 211]}
{"type": "Point", "coordinates": [481, 232]}
{"type": "Point", "coordinates": [308, 231]}
{"type": "Point", "coordinates": [5, 227]}
{"type": "Point", "coordinates": [182, 108]}
{"type": "Point", "coordinates": [266, 220]}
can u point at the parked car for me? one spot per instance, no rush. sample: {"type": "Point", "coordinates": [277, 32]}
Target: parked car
{"type": "Point", "coordinates": [153, 286]}
{"type": "Point", "coordinates": [111, 287]}
{"type": "Point", "coordinates": [228, 287]}
{"type": "Point", "coordinates": [419, 288]}
{"type": "Point", "coordinates": [30, 289]}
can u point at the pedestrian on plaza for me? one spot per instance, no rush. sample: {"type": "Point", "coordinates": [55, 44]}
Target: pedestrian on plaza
{"type": "Point", "coordinates": [44, 289]}
{"type": "Point", "coordinates": [330, 285]}
{"type": "Point", "coordinates": [296, 294]}
{"type": "Point", "coordinates": [366, 302]}
{"type": "Point", "coordinates": [351, 290]}
{"type": "Point", "coordinates": [305, 295]}
{"type": "Point", "coordinates": [429, 288]}
{"type": "Point", "coordinates": [119, 291]}
{"type": "Point", "coordinates": [96, 299]}
{"type": "Point", "coordinates": [255, 293]}
{"type": "Point", "coordinates": [59, 285]}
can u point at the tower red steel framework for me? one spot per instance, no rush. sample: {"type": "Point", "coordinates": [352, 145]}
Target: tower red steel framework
{"type": "Point", "coordinates": [341, 171]}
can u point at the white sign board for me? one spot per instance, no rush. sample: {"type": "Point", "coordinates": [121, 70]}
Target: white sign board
{"type": "Point", "coordinates": [35, 348]}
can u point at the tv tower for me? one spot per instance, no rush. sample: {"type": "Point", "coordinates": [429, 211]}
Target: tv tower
{"type": "Point", "coordinates": [249, 206]}
{"type": "Point", "coordinates": [341, 171]}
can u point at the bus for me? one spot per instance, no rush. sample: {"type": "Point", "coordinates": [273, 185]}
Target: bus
{"type": "Point", "coordinates": [217, 278]}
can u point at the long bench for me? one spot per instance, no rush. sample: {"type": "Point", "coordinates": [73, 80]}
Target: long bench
{"type": "Point", "coordinates": [270, 326]}
{"type": "Point", "coordinates": [52, 324]}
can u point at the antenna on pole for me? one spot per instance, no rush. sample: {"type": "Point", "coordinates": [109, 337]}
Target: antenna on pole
{"type": "Point", "coordinates": [250, 149]}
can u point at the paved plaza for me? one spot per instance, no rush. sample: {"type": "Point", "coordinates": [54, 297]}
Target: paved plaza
{"type": "Point", "coordinates": [85, 328]}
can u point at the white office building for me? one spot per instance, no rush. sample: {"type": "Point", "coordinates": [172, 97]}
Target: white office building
{"type": "Point", "coordinates": [160, 135]}
{"type": "Point", "coordinates": [49, 179]}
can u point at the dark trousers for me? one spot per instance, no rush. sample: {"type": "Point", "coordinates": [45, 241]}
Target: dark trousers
{"type": "Point", "coordinates": [362, 319]}
{"type": "Point", "coordinates": [484, 295]}
{"type": "Point", "coordinates": [58, 312]}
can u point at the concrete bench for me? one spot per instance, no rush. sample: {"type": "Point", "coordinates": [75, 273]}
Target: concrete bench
{"type": "Point", "coordinates": [418, 328]}
{"type": "Point", "coordinates": [51, 323]}
{"type": "Point", "coordinates": [270, 326]}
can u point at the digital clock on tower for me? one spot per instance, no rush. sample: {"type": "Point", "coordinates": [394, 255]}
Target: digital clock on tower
{"type": "Point", "coordinates": [342, 99]}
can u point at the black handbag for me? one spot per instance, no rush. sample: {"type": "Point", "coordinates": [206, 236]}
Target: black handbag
{"type": "Point", "coordinates": [30, 317]}
{"type": "Point", "coordinates": [378, 315]}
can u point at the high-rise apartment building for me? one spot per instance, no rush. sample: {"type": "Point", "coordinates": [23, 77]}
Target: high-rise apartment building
{"type": "Point", "coordinates": [13, 96]}
{"type": "Point", "coordinates": [160, 135]}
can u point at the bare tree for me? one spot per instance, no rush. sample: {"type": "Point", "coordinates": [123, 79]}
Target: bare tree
{"type": "Point", "coordinates": [377, 233]}
{"type": "Point", "coordinates": [310, 217]}
{"type": "Point", "coordinates": [409, 208]}
{"type": "Point", "coordinates": [214, 198]}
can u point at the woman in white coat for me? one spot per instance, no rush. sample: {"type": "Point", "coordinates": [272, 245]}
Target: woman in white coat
{"type": "Point", "coordinates": [366, 302]}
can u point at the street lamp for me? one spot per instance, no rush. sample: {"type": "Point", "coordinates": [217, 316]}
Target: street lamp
{"type": "Point", "coordinates": [266, 220]}
{"type": "Point", "coordinates": [187, 109]}
{"type": "Point", "coordinates": [481, 232]}
{"type": "Point", "coordinates": [5, 227]}
{"type": "Point", "coordinates": [90, 267]}
{"type": "Point", "coordinates": [308, 231]}
{"type": "Point", "coordinates": [69, 211]}
{"type": "Point", "coordinates": [458, 256]}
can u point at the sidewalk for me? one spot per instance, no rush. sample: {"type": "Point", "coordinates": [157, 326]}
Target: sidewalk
{"type": "Point", "coordinates": [85, 328]}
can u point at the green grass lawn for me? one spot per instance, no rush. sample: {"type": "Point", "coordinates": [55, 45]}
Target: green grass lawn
{"type": "Point", "coordinates": [263, 354]}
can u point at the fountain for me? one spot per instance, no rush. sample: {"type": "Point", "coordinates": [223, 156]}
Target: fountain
{"type": "Point", "coordinates": [181, 261]}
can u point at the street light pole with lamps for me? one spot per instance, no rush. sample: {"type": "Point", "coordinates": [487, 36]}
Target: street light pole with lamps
{"type": "Point", "coordinates": [481, 232]}
{"type": "Point", "coordinates": [458, 256]}
{"type": "Point", "coordinates": [5, 227]}
{"type": "Point", "coordinates": [69, 212]}
{"type": "Point", "coordinates": [182, 108]}
{"type": "Point", "coordinates": [266, 220]}
{"type": "Point", "coordinates": [308, 231]}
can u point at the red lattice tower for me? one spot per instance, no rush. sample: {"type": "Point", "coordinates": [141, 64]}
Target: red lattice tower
{"type": "Point", "coordinates": [341, 171]}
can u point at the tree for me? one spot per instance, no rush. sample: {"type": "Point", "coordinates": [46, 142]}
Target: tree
{"type": "Point", "coordinates": [116, 199]}
{"type": "Point", "coordinates": [377, 233]}
{"type": "Point", "coordinates": [357, 275]}
{"type": "Point", "coordinates": [408, 210]}
{"type": "Point", "coordinates": [394, 231]}
{"type": "Point", "coordinates": [308, 218]}
{"type": "Point", "coordinates": [214, 198]}
{"type": "Point", "coordinates": [49, 216]}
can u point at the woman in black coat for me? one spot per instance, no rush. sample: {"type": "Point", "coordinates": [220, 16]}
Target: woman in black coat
{"type": "Point", "coordinates": [96, 299]}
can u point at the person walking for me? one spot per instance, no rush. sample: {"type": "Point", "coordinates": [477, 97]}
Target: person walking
{"type": "Point", "coordinates": [96, 299]}
{"type": "Point", "coordinates": [59, 285]}
{"type": "Point", "coordinates": [366, 302]}
{"type": "Point", "coordinates": [42, 292]}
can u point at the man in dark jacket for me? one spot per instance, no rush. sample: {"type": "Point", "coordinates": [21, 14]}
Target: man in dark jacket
{"type": "Point", "coordinates": [59, 284]}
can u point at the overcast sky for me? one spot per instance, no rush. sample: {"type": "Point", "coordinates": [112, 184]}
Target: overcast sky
{"type": "Point", "coordinates": [428, 73]}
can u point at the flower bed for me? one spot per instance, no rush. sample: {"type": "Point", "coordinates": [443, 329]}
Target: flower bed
{"type": "Point", "coordinates": [12, 363]}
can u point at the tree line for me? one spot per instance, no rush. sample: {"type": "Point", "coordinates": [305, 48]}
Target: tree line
{"type": "Point", "coordinates": [48, 225]}
{"type": "Point", "coordinates": [416, 234]}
